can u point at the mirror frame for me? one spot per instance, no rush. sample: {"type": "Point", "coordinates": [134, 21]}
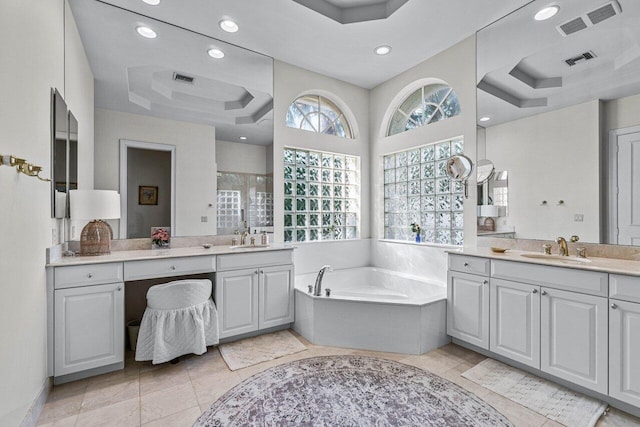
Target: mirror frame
{"type": "Point", "coordinates": [57, 98]}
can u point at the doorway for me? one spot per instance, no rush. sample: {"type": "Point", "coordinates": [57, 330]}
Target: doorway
{"type": "Point", "coordinates": [625, 186]}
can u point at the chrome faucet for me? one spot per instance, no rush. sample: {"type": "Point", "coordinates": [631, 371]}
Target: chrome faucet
{"type": "Point", "coordinates": [243, 238]}
{"type": "Point", "coordinates": [317, 289]}
{"type": "Point", "coordinates": [564, 249]}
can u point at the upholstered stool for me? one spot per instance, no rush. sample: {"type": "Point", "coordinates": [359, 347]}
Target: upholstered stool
{"type": "Point", "coordinates": [180, 318]}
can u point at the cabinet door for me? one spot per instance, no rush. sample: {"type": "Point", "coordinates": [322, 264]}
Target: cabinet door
{"type": "Point", "coordinates": [468, 308]}
{"type": "Point", "coordinates": [624, 351]}
{"type": "Point", "coordinates": [574, 338]}
{"type": "Point", "coordinates": [514, 326]}
{"type": "Point", "coordinates": [276, 296]}
{"type": "Point", "coordinates": [89, 327]}
{"type": "Point", "coordinates": [237, 301]}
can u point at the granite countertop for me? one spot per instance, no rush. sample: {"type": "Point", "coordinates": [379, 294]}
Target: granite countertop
{"type": "Point", "coordinates": [607, 265]}
{"type": "Point", "coordinates": [137, 255]}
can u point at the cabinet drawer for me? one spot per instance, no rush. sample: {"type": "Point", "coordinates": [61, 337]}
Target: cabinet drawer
{"type": "Point", "coordinates": [168, 267]}
{"type": "Point", "coordinates": [586, 282]}
{"type": "Point", "coordinates": [87, 275]}
{"type": "Point", "coordinates": [254, 259]}
{"type": "Point", "coordinates": [469, 264]}
{"type": "Point", "coordinates": [624, 287]}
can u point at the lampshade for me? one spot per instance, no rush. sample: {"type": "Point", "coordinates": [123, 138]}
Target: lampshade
{"type": "Point", "coordinates": [489, 211]}
{"type": "Point", "coordinates": [94, 204]}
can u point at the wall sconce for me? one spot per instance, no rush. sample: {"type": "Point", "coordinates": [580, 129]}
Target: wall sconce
{"type": "Point", "coordinates": [22, 166]}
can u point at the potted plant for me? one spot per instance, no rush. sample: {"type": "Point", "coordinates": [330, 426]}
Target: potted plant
{"type": "Point", "coordinates": [415, 228]}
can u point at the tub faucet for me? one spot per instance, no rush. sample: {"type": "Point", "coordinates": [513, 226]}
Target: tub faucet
{"type": "Point", "coordinates": [317, 289]}
{"type": "Point", "coordinates": [564, 249]}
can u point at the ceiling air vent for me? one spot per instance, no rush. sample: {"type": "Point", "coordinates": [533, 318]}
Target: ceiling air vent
{"type": "Point", "coordinates": [580, 58]}
{"type": "Point", "coordinates": [604, 12]}
{"type": "Point", "coordinates": [590, 19]}
{"type": "Point", "coordinates": [182, 78]}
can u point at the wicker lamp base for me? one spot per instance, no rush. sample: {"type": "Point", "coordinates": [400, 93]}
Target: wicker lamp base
{"type": "Point", "coordinates": [95, 238]}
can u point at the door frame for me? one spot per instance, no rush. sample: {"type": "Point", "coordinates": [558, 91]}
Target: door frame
{"type": "Point", "coordinates": [612, 181]}
{"type": "Point", "coordinates": [125, 144]}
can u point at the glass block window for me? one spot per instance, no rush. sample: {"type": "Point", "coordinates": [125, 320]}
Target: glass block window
{"type": "Point", "coordinates": [261, 209]}
{"type": "Point", "coordinates": [229, 211]}
{"type": "Point", "coordinates": [318, 114]}
{"type": "Point", "coordinates": [418, 190]}
{"type": "Point", "coordinates": [427, 105]}
{"type": "Point", "coordinates": [321, 196]}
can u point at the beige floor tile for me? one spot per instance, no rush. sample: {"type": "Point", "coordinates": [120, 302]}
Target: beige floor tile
{"type": "Point", "coordinates": [208, 389]}
{"type": "Point", "coordinates": [455, 375]}
{"type": "Point", "coordinates": [121, 414]}
{"type": "Point", "coordinates": [64, 422]}
{"type": "Point", "coordinates": [302, 339]}
{"type": "Point", "coordinates": [167, 402]}
{"type": "Point", "coordinates": [436, 361]}
{"type": "Point", "coordinates": [63, 402]}
{"type": "Point", "coordinates": [184, 418]}
{"type": "Point", "coordinates": [320, 350]}
{"type": "Point", "coordinates": [209, 363]}
{"type": "Point", "coordinates": [166, 377]}
{"type": "Point", "coordinates": [105, 393]}
{"type": "Point", "coordinates": [551, 423]}
{"type": "Point", "coordinates": [517, 414]}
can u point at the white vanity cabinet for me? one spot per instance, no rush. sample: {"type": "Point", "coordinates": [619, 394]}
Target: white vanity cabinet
{"type": "Point", "coordinates": [259, 297]}
{"type": "Point", "coordinates": [468, 300]}
{"type": "Point", "coordinates": [88, 317]}
{"type": "Point", "coordinates": [574, 338]}
{"type": "Point", "coordinates": [514, 326]}
{"type": "Point", "coordinates": [624, 338]}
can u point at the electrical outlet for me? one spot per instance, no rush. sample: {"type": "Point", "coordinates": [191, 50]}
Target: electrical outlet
{"type": "Point", "coordinates": [578, 217]}
{"type": "Point", "coordinates": [204, 219]}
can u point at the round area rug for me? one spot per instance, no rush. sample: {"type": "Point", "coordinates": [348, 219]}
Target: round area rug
{"type": "Point", "coordinates": [349, 391]}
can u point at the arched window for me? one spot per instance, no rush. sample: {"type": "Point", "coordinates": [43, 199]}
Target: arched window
{"type": "Point", "coordinates": [429, 104]}
{"type": "Point", "coordinates": [318, 114]}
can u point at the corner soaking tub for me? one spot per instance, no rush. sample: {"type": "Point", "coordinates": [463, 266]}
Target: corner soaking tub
{"type": "Point", "coordinates": [372, 309]}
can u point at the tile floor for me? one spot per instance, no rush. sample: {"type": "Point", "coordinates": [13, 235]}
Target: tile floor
{"type": "Point", "coordinates": [176, 395]}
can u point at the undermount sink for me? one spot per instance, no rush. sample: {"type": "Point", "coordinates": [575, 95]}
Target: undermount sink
{"type": "Point", "coordinates": [565, 259]}
{"type": "Point", "coordinates": [248, 246]}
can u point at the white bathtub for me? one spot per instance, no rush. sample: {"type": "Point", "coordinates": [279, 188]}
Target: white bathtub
{"type": "Point", "coordinates": [373, 309]}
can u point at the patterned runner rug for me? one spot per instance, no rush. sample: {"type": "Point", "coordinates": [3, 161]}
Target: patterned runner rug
{"type": "Point", "coordinates": [544, 397]}
{"type": "Point", "coordinates": [251, 351]}
{"type": "Point", "coordinates": [349, 391]}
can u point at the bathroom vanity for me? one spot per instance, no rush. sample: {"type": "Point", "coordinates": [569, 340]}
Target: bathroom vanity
{"type": "Point", "coordinates": [560, 317]}
{"type": "Point", "coordinates": [253, 291]}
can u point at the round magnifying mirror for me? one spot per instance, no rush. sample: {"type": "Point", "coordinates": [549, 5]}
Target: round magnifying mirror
{"type": "Point", "coordinates": [459, 167]}
{"type": "Point", "coordinates": [485, 170]}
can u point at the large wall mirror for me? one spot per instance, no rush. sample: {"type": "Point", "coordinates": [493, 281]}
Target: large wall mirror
{"type": "Point", "coordinates": [64, 155]}
{"type": "Point", "coordinates": [558, 115]}
{"type": "Point", "coordinates": [179, 89]}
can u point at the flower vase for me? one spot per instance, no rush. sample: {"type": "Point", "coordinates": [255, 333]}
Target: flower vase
{"type": "Point", "coordinates": [417, 237]}
{"type": "Point", "coordinates": [160, 237]}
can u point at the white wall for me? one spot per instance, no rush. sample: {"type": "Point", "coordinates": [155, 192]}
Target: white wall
{"type": "Point", "coordinates": [548, 160]}
{"type": "Point", "coordinates": [32, 47]}
{"type": "Point", "coordinates": [242, 158]}
{"type": "Point", "coordinates": [456, 66]}
{"type": "Point", "coordinates": [289, 83]}
{"type": "Point", "coordinates": [195, 162]}
{"type": "Point", "coordinates": [310, 257]}
{"type": "Point", "coordinates": [621, 113]}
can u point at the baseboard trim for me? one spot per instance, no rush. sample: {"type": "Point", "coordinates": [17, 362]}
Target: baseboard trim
{"type": "Point", "coordinates": [31, 418]}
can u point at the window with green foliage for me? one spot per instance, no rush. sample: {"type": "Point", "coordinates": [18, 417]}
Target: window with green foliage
{"type": "Point", "coordinates": [318, 114]}
{"type": "Point", "coordinates": [417, 190]}
{"type": "Point", "coordinates": [321, 196]}
{"type": "Point", "coordinates": [427, 105]}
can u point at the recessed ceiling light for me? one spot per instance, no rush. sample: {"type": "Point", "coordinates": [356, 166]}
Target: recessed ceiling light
{"type": "Point", "coordinates": [146, 32]}
{"type": "Point", "coordinates": [152, 2]}
{"type": "Point", "coordinates": [485, 119]}
{"type": "Point", "coordinates": [546, 13]}
{"type": "Point", "coordinates": [215, 53]}
{"type": "Point", "coordinates": [243, 138]}
{"type": "Point", "coordinates": [382, 50]}
{"type": "Point", "coordinates": [228, 25]}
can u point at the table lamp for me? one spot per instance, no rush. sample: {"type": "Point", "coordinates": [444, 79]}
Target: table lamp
{"type": "Point", "coordinates": [96, 205]}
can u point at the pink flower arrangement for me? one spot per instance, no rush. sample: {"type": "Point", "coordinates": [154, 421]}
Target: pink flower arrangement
{"type": "Point", "coordinates": [160, 237]}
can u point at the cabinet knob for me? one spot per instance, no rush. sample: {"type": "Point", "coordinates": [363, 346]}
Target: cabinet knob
{"type": "Point", "coordinates": [173, 267]}
{"type": "Point", "coordinates": [261, 271]}
{"type": "Point", "coordinates": [535, 291]}
{"type": "Point", "coordinates": [484, 282]}
{"type": "Point", "coordinates": [614, 306]}
{"type": "Point", "coordinates": [90, 275]}
{"type": "Point", "coordinates": [257, 271]}
{"type": "Point", "coordinates": [543, 292]}
{"type": "Point", "coordinates": [466, 264]}
{"type": "Point", "coordinates": [119, 288]}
